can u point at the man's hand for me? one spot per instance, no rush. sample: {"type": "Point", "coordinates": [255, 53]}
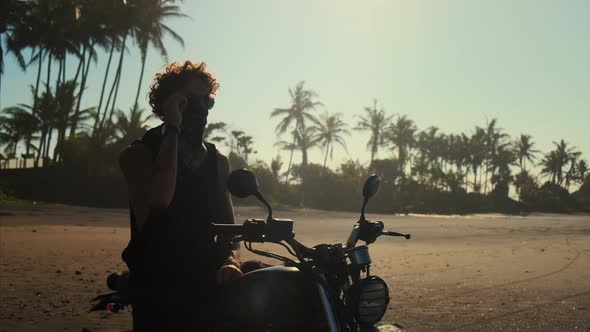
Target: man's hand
{"type": "Point", "coordinates": [228, 273]}
{"type": "Point", "coordinates": [173, 107]}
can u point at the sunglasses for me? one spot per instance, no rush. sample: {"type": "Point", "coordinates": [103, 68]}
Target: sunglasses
{"type": "Point", "coordinates": [200, 104]}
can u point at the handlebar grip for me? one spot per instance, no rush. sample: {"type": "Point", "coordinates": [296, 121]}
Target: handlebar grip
{"type": "Point", "coordinates": [407, 236]}
{"type": "Point", "coordinates": [230, 229]}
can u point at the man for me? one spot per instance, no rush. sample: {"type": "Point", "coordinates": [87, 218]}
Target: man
{"type": "Point", "coordinates": [177, 187]}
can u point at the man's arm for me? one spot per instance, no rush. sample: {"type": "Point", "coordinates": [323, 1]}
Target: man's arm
{"type": "Point", "coordinates": [225, 214]}
{"type": "Point", "coordinates": [151, 184]}
{"type": "Point", "coordinates": [225, 209]}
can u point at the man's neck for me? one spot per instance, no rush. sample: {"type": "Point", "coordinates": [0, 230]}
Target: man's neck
{"type": "Point", "coordinates": [193, 144]}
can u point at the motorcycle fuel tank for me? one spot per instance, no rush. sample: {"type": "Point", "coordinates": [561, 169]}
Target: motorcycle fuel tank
{"type": "Point", "coordinates": [279, 298]}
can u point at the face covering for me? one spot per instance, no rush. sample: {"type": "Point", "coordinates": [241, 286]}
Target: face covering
{"type": "Point", "coordinates": [194, 119]}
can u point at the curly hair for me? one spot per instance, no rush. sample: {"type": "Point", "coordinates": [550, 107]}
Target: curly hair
{"type": "Point", "coordinates": [176, 77]}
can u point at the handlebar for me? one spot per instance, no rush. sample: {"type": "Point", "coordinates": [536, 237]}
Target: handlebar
{"type": "Point", "coordinates": [225, 229]}
{"type": "Point", "coordinates": [369, 231]}
{"type": "Point", "coordinates": [278, 230]}
{"type": "Point", "coordinates": [389, 233]}
{"type": "Point", "coordinates": [257, 230]}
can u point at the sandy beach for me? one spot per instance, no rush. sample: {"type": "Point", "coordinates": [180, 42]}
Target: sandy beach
{"type": "Point", "coordinates": [457, 273]}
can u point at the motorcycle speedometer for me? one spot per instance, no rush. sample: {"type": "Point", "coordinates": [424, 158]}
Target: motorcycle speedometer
{"type": "Point", "coordinates": [368, 300]}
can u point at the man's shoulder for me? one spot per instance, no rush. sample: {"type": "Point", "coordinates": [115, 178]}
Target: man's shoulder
{"type": "Point", "coordinates": [153, 132]}
{"type": "Point", "coordinates": [218, 154]}
{"type": "Point", "coordinates": [222, 161]}
{"type": "Point", "coordinates": [221, 156]}
{"type": "Point", "coordinates": [134, 155]}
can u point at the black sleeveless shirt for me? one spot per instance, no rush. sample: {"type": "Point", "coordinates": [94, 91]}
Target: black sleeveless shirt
{"type": "Point", "coordinates": [175, 250]}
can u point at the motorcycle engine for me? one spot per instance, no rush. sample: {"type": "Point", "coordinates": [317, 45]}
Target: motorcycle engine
{"type": "Point", "coordinates": [368, 300]}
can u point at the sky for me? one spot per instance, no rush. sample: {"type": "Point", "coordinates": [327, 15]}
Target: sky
{"type": "Point", "coordinates": [453, 64]}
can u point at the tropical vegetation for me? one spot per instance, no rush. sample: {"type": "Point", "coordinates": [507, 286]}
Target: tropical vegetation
{"type": "Point", "coordinates": [423, 170]}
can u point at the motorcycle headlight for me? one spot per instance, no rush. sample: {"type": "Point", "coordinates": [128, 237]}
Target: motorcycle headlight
{"type": "Point", "coordinates": [368, 300]}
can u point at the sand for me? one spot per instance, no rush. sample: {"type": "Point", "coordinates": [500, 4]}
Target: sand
{"type": "Point", "coordinates": [457, 273]}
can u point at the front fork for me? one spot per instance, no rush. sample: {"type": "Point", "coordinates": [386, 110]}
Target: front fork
{"type": "Point", "coordinates": [333, 324]}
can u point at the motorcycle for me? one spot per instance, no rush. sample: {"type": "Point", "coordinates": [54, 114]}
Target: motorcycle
{"type": "Point", "coordinates": [328, 287]}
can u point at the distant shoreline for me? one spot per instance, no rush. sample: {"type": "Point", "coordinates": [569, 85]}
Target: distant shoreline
{"type": "Point", "coordinates": [20, 208]}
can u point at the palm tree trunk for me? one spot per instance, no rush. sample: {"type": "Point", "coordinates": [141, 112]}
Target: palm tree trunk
{"type": "Point", "coordinates": [115, 87]}
{"type": "Point", "coordinates": [120, 69]}
{"type": "Point", "coordinates": [410, 161]}
{"type": "Point", "coordinates": [106, 120]}
{"type": "Point", "coordinates": [304, 156]}
{"type": "Point", "coordinates": [57, 87]}
{"type": "Point", "coordinates": [64, 121]}
{"type": "Point", "coordinates": [326, 157]}
{"type": "Point", "coordinates": [290, 159]}
{"type": "Point", "coordinates": [485, 184]}
{"type": "Point", "coordinates": [41, 145]}
{"type": "Point", "coordinates": [143, 58]}
{"type": "Point", "coordinates": [34, 110]}
{"type": "Point", "coordinates": [104, 83]}
{"type": "Point", "coordinates": [48, 143]}
{"type": "Point", "coordinates": [48, 125]}
{"type": "Point", "coordinates": [111, 92]}
{"type": "Point", "coordinates": [66, 116]}
{"type": "Point", "coordinates": [61, 134]}
{"type": "Point", "coordinates": [48, 72]}
{"type": "Point", "coordinates": [81, 91]}
{"type": "Point", "coordinates": [373, 150]}
{"type": "Point", "coordinates": [57, 81]}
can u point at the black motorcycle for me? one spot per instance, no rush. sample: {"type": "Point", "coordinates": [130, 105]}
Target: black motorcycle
{"type": "Point", "coordinates": [325, 288]}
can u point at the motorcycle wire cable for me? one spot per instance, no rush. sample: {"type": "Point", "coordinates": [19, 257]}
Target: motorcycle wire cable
{"type": "Point", "coordinates": [301, 250]}
{"type": "Point", "coordinates": [288, 249]}
{"type": "Point", "coordinates": [248, 246]}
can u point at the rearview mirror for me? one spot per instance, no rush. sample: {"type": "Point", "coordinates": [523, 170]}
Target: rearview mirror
{"type": "Point", "coordinates": [371, 186]}
{"type": "Point", "coordinates": [242, 183]}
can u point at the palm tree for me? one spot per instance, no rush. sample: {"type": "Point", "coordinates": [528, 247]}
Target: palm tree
{"type": "Point", "coordinates": [582, 170]}
{"type": "Point", "coordinates": [275, 166]}
{"type": "Point", "coordinates": [302, 103]}
{"type": "Point", "coordinates": [211, 129]}
{"type": "Point", "coordinates": [460, 155]}
{"type": "Point", "coordinates": [421, 168]}
{"type": "Point", "coordinates": [131, 125]}
{"type": "Point", "coordinates": [328, 131]}
{"type": "Point", "coordinates": [523, 182]}
{"type": "Point", "coordinates": [287, 146]}
{"type": "Point", "coordinates": [551, 165]}
{"type": "Point", "coordinates": [29, 31]}
{"type": "Point", "coordinates": [16, 124]}
{"type": "Point", "coordinates": [524, 150]}
{"type": "Point", "coordinates": [375, 122]}
{"type": "Point", "coordinates": [100, 136]}
{"type": "Point", "coordinates": [401, 134]}
{"type": "Point", "coordinates": [430, 145]}
{"type": "Point", "coordinates": [66, 99]}
{"type": "Point", "coordinates": [118, 27]}
{"type": "Point", "coordinates": [149, 29]}
{"type": "Point", "coordinates": [502, 159]}
{"type": "Point", "coordinates": [92, 19]}
{"type": "Point", "coordinates": [12, 13]}
{"type": "Point", "coordinates": [46, 109]}
{"type": "Point", "coordinates": [494, 140]}
{"type": "Point", "coordinates": [242, 144]}
{"type": "Point", "coordinates": [572, 173]}
{"type": "Point", "coordinates": [563, 155]}
{"type": "Point", "coordinates": [477, 155]}
{"type": "Point", "coordinates": [305, 140]}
